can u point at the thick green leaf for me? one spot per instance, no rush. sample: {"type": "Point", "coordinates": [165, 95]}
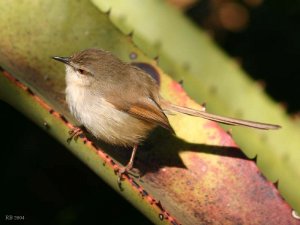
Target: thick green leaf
{"type": "Point", "coordinates": [187, 53]}
{"type": "Point", "coordinates": [199, 176]}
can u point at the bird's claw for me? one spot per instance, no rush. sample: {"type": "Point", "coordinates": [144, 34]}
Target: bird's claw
{"type": "Point", "coordinates": [74, 134]}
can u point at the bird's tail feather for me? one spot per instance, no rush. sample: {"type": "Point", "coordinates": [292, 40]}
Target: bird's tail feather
{"type": "Point", "coordinates": [219, 119]}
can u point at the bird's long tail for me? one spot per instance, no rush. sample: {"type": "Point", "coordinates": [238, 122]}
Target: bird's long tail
{"type": "Point", "coordinates": [220, 119]}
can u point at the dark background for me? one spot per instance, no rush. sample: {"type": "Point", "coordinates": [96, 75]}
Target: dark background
{"type": "Point", "coordinates": [47, 185]}
{"type": "Point", "coordinates": [263, 36]}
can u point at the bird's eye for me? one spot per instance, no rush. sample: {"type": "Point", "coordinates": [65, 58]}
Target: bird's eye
{"type": "Point", "coordinates": [83, 72]}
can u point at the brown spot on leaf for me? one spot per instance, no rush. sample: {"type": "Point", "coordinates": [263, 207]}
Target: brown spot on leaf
{"type": "Point", "coordinates": [161, 216]}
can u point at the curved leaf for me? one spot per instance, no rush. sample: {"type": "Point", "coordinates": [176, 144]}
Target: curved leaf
{"type": "Point", "coordinates": [187, 53]}
{"type": "Point", "coordinates": [199, 176]}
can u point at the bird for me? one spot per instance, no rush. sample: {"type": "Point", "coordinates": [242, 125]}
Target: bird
{"type": "Point", "coordinates": [120, 103]}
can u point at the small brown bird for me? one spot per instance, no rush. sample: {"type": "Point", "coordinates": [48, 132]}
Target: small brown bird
{"type": "Point", "coordinates": [120, 103]}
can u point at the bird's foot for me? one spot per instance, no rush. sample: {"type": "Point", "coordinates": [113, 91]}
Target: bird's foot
{"type": "Point", "coordinates": [74, 134]}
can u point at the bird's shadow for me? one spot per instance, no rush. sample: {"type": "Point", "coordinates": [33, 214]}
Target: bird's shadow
{"type": "Point", "coordinates": [162, 149]}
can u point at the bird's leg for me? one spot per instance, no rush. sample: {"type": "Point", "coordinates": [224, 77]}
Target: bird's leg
{"type": "Point", "coordinates": [74, 134]}
{"type": "Point", "coordinates": [129, 165]}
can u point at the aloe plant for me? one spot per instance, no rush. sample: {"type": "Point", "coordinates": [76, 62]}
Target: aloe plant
{"type": "Point", "coordinates": [187, 53]}
{"type": "Point", "coordinates": [200, 176]}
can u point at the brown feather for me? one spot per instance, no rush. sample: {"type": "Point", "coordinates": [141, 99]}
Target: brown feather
{"type": "Point", "coordinates": [219, 119]}
{"type": "Point", "coordinates": [137, 95]}
{"type": "Point", "coordinates": [151, 113]}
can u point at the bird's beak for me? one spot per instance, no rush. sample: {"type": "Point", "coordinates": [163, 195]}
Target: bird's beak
{"type": "Point", "coordinates": [65, 60]}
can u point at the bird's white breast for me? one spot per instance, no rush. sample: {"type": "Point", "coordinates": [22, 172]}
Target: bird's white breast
{"type": "Point", "coordinates": [101, 118]}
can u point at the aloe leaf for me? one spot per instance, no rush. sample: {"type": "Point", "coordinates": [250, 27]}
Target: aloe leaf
{"type": "Point", "coordinates": [200, 176]}
{"type": "Point", "coordinates": [188, 54]}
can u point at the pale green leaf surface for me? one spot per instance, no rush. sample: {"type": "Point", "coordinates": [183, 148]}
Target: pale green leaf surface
{"type": "Point", "coordinates": [199, 176]}
{"type": "Point", "coordinates": [187, 53]}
